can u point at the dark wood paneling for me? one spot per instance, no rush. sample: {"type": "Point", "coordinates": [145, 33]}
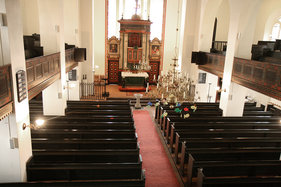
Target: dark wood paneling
{"type": "Point", "coordinates": [45, 70]}
{"type": "Point", "coordinates": [6, 110]}
{"type": "Point", "coordinates": [6, 98]}
{"type": "Point", "coordinates": [262, 77]}
{"type": "Point", "coordinates": [70, 62]}
{"type": "Point", "coordinates": [6, 85]}
{"type": "Point", "coordinates": [154, 71]}
{"type": "Point", "coordinates": [113, 70]}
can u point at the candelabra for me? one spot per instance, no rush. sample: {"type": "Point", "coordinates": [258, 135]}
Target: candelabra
{"type": "Point", "coordinates": [174, 86]}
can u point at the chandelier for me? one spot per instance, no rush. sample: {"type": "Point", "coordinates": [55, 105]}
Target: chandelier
{"type": "Point", "coordinates": [174, 86]}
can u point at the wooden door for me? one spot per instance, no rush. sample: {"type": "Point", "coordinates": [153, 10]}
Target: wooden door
{"type": "Point", "coordinates": [113, 69]}
{"type": "Point", "coordinates": [154, 71]}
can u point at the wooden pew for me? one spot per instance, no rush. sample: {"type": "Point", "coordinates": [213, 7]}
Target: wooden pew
{"type": "Point", "coordinates": [37, 171]}
{"type": "Point", "coordinates": [184, 126]}
{"type": "Point", "coordinates": [46, 143]}
{"type": "Point", "coordinates": [198, 156]}
{"type": "Point", "coordinates": [228, 133]}
{"type": "Point", "coordinates": [85, 134]}
{"type": "Point", "coordinates": [89, 125]}
{"type": "Point", "coordinates": [198, 114]}
{"type": "Point", "coordinates": [242, 173]}
{"type": "Point", "coordinates": [200, 106]}
{"type": "Point", "coordinates": [78, 183]}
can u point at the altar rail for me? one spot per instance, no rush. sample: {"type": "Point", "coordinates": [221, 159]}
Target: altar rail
{"type": "Point", "coordinates": [44, 70]}
{"type": "Point", "coordinates": [6, 98]}
{"type": "Point", "coordinates": [263, 77]}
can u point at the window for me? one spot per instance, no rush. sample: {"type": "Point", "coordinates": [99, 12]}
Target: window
{"type": "Point", "coordinates": [116, 10]}
{"type": "Point", "coordinates": [276, 31]}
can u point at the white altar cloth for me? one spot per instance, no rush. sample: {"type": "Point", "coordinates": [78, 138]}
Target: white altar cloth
{"type": "Point", "coordinates": [125, 74]}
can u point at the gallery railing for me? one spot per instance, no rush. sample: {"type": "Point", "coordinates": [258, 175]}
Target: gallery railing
{"type": "Point", "coordinates": [44, 70]}
{"type": "Point", "coordinates": [263, 77]}
{"type": "Point", "coordinates": [6, 98]}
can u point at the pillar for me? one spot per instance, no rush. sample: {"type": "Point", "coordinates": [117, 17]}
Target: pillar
{"type": "Point", "coordinates": [125, 56]}
{"type": "Point", "coordinates": [13, 165]}
{"type": "Point", "coordinates": [51, 22]}
{"type": "Point", "coordinates": [226, 101]}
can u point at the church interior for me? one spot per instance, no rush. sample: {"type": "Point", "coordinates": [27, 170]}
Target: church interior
{"type": "Point", "coordinates": [140, 93]}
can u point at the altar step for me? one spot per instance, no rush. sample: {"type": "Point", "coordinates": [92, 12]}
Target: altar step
{"type": "Point", "coordinates": [144, 101]}
{"type": "Point", "coordinates": [133, 88]}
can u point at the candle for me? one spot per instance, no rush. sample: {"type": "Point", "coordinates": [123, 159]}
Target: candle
{"type": "Point", "coordinates": [147, 87]}
{"type": "Point", "coordinates": [184, 95]}
{"type": "Point", "coordinates": [162, 96]}
{"type": "Point", "coordinates": [157, 85]}
{"type": "Point", "coordinates": [158, 77]}
{"type": "Point", "coordinates": [153, 77]}
{"type": "Point", "coordinates": [167, 88]}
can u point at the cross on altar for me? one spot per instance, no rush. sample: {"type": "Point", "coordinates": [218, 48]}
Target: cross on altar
{"type": "Point", "coordinates": [136, 11]}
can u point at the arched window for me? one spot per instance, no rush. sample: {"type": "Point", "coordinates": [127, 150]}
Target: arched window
{"type": "Point", "coordinates": [276, 31]}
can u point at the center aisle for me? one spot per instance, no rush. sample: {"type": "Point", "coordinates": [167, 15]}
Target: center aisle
{"type": "Point", "coordinates": [158, 170]}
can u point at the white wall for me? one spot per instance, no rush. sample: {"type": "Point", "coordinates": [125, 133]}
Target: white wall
{"type": "Point", "coordinates": [170, 33]}
{"type": "Point", "coordinates": [207, 24]}
{"type": "Point", "coordinates": [30, 17]}
{"type": "Point", "coordinates": [52, 32]}
{"type": "Point", "coordinates": [73, 88]}
{"type": "Point", "coordinates": [210, 86]}
{"type": "Point", "coordinates": [189, 37]}
{"type": "Point", "coordinates": [10, 161]}
{"type": "Point", "coordinates": [99, 36]}
{"type": "Point", "coordinates": [71, 21]}
{"type": "Point", "coordinates": [246, 30]}
{"type": "Point", "coordinates": [49, 20]}
{"type": "Point", "coordinates": [269, 9]}
{"type": "Point", "coordinates": [18, 63]}
{"type": "Point", "coordinates": [86, 38]}
{"type": "Point", "coordinates": [223, 21]}
{"type": "Point", "coordinates": [4, 39]}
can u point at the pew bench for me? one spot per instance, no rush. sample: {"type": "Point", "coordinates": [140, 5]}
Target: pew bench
{"type": "Point", "coordinates": [242, 173]}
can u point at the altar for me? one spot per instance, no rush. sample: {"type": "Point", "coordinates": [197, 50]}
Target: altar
{"type": "Point", "coordinates": [134, 79]}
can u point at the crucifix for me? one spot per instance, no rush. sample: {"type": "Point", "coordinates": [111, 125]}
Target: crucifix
{"type": "Point", "coordinates": [136, 11]}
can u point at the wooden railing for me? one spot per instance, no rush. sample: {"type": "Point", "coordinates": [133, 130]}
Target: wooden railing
{"type": "Point", "coordinates": [45, 70]}
{"type": "Point", "coordinates": [6, 98]}
{"type": "Point", "coordinates": [262, 77]}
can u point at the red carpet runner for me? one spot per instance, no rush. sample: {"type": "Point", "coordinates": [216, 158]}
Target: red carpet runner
{"type": "Point", "coordinates": [158, 170]}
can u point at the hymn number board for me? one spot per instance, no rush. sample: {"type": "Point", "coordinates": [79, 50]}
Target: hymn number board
{"type": "Point", "coordinates": [21, 85]}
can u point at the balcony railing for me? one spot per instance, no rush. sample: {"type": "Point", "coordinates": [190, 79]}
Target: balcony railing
{"type": "Point", "coordinates": [263, 77]}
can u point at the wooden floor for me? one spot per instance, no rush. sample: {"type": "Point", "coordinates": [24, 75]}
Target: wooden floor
{"type": "Point", "coordinates": [114, 92]}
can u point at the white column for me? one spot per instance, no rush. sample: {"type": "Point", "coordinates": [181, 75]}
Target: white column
{"type": "Point", "coordinates": [86, 37]}
{"type": "Point", "coordinates": [121, 50]}
{"type": "Point", "coordinates": [148, 8]}
{"type": "Point", "coordinates": [125, 50]}
{"type": "Point", "coordinates": [236, 7]}
{"type": "Point", "coordinates": [17, 161]}
{"type": "Point", "coordinates": [99, 36]}
{"type": "Point", "coordinates": [188, 40]}
{"type": "Point", "coordinates": [51, 21]}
